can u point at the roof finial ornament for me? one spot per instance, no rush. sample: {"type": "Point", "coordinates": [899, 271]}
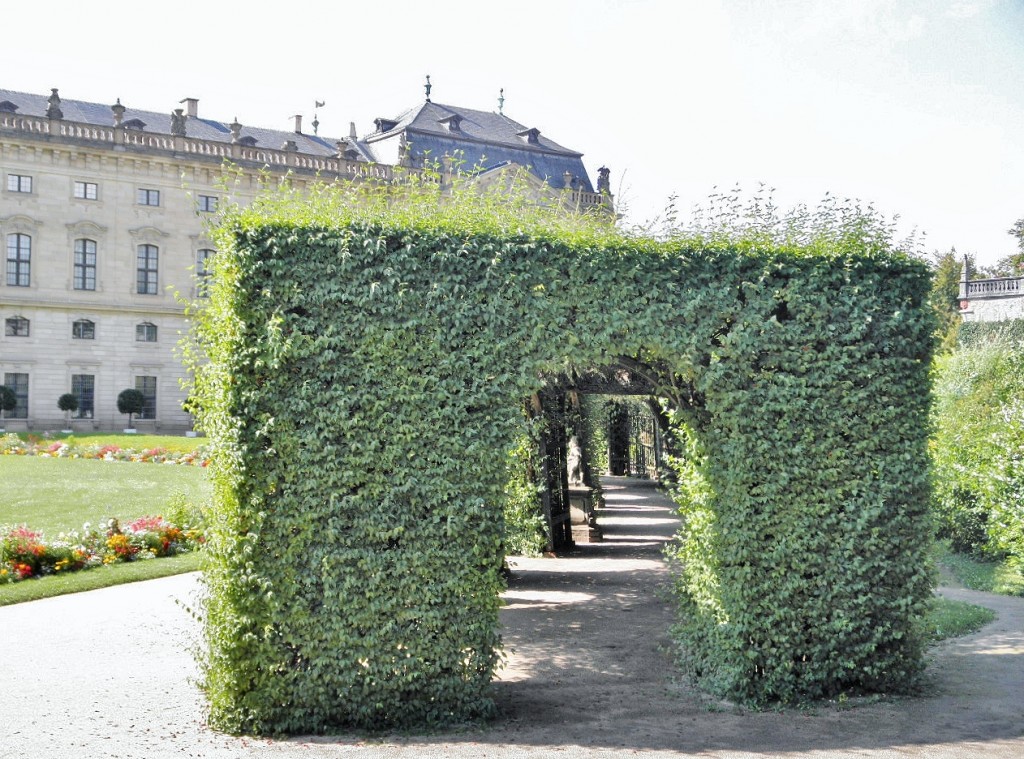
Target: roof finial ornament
{"type": "Point", "coordinates": [316, 120]}
{"type": "Point", "coordinates": [427, 87]}
{"type": "Point", "coordinates": [501, 101]}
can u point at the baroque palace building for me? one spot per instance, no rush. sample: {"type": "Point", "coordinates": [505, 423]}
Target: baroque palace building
{"type": "Point", "coordinates": [104, 213]}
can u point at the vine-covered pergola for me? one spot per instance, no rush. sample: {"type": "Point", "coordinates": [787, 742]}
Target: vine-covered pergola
{"type": "Point", "coordinates": [365, 370]}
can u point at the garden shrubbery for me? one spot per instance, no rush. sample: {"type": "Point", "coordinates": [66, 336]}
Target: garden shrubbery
{"type": "Point", "coordinates": [978, 446]}
{"type": "Point", "coordinates": [12, 445]}
{"type": "Point", "coordinates": [26, 553]}
{"type": "Point", "coordinates": [368, 358]}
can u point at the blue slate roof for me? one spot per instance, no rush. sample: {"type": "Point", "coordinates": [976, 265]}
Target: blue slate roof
{"type": "Point", "coordinates": [485, 139]}
{"type": "Point", "coordinates": [100, 114]}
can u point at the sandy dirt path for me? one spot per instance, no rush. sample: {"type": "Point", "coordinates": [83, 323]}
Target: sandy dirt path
{"type": "Point", "coordinates": [589, 674]}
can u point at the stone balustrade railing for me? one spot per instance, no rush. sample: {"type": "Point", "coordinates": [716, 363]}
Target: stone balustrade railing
{"type": "Point", "coordinates": [134, 138]}
{"type": "Point", "coordinates": [582, 198]}
{"type": "Point", "coordinates": [992, 288]}
{"type": "Point", "coordinates": [114, 136]}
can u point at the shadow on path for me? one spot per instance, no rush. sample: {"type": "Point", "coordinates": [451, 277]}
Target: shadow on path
{"type": "Point", "coordinates": [589, 674]}
{"type": "Point", "coordinates": [590, 665]}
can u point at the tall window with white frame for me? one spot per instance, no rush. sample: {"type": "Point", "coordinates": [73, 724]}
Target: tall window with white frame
{"type": "Point", "coordinates": [83, 387]}
{"type": "Point", "coordinates": [18, 382]}
{"type": "Point", "coordinates": [19, 260]}
{"type": "Point", "coordinates": [146, 268]}
{"type": "Point", "coordinates": [85, 264]}
{"type": "Point", "coordinates": [147, 386]}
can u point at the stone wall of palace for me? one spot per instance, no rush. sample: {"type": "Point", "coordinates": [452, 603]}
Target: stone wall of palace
{"type": "Point", "coordinates": [83, 193]}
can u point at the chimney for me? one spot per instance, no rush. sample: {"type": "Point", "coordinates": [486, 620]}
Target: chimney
{"type": "Point", "coordinates": [191, 107]}
{"type": "Point", "coordinates": [298, 123]}
{"type": "Point", "coordinates": [352, 130]}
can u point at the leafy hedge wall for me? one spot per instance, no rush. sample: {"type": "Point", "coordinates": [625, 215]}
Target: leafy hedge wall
{"type": "Point", "coordinates": [977, 444]}
{"type": "Point", "coordinates": [367, 368]}
{"type": "Point", "coordinates": [975, 334]}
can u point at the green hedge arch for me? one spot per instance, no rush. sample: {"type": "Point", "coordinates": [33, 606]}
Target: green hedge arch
{"type": "Point", "coordinates": [364, 370]}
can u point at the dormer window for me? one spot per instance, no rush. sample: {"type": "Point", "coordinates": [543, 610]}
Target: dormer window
{"type": "Point", "coordinates": [529, 135]}
{"type": "Point", "coordinates": [453, 122]}
{"type": "Point", "coordinates": [8, 107]}
{"type": "Point", "coordinates": [138, 124]}
{"type": "Point", "coordinates": [247, 141]}
{"type": "Point", "coordinates": [385, 125]}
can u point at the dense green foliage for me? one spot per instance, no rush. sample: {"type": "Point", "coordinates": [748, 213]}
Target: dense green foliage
{"type": "Point", "coordinates": [367, 369]}
{"type": "Point", "coordinates": [979, 438]}
{"type": "Point", "coordinates": [944, 297]}
{"type": "Point", "coordinates": [525, 533]}
{"type": "Point", "coordinates": [998, 576]}
{"type": "Point", "coordinates": [977, 334]}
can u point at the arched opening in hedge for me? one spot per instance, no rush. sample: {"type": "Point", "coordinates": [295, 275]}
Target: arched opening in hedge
{"type": "Point", "coordinates": [365, 380]}
{"type": "Point", "coordinates": [584, 424]}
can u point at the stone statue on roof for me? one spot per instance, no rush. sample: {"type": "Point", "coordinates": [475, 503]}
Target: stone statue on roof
{"type": "Point", "coordinates": [178, 122]}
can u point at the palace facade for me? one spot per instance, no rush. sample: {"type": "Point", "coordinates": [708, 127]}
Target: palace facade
{"type": "Point", "coordinates": [104, 216]}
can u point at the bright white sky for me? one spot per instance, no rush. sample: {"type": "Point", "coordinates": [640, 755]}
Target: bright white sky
{"type": "Point", "coordinates": [912, 105]}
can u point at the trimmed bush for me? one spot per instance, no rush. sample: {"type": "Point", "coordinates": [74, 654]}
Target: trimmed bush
{"type": "Point", "coordinates": [130, 401]}
{"type": "Point", "coordinates": [367, 369]}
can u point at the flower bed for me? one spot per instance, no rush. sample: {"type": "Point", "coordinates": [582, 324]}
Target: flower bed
{"type": "Point", "coordinates": [24, 553]}
{"type": "Point", "coordinates": [12, 445]}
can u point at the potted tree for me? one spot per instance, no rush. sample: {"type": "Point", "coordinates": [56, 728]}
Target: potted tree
{"type": "Point", "coordinates": [68, 403]}
{"type": "Point", "coordinates": [8, 402]}
{"type": "Point", "coordinates": [130, 401]}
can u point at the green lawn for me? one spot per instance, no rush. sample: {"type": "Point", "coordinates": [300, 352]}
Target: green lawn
{"type": "Point", "coordinates": [135, 442]}
{"type": "Point", "coordinates": [989, 576]}
{"type": "Point", "coordinates": [54, 495]}
{"type": "Point", "coordinates": [951, 619]}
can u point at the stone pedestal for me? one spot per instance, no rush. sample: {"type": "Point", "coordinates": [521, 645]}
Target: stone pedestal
{"type": "Point", "coordinates": [582, 516]}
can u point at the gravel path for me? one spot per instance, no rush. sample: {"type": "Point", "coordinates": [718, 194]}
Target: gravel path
{"type": "Point", "coordinates": [109, 673]}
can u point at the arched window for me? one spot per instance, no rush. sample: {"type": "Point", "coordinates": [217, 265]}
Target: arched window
{"type": "Point", "coordinates": [85, 264]}
{"type": "Point", "coordinates": [146, 269]}
{"type": "Point", "coordinates": [145, 332]}
{"type": "Point", "coordinates": [83, 329]}
{"type": "Point", "coordinates": [19, 259]}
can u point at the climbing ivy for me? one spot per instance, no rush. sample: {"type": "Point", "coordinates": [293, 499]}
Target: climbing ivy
{"type": "Point", "coordinates": [364, 360]}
